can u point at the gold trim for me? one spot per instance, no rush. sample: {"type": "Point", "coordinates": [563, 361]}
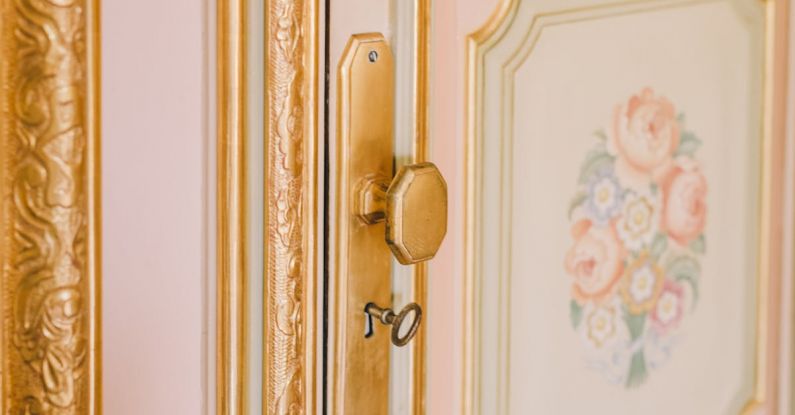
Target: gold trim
{"type": "Point", "coordinates": [766, 390]}
{"type": "Point", "coordinates": [765, 396]}
{"type": "Point", "coordinates": [232, 222]}
{"type": "Point", "coordinates": [51, 357]}
{"type": "Point", "coordinates": [291, 203]}
{"type": "Point", "coordinates": [422, 28]}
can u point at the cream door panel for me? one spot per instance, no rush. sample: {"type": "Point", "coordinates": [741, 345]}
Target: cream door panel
{"type": "Point", "coordinates": [616, 160]}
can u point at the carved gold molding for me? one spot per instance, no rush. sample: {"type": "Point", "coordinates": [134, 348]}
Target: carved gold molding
{"type": "Point", "coordinates": [50, 192]}
{"type": "Point", "coordinates": [291, 193]}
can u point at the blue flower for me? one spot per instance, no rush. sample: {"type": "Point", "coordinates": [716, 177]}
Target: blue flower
{"type": "Point", "coordinates": [604, 197]}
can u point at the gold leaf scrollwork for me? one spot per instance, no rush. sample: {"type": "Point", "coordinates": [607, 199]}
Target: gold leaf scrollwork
{"type": "Point", "coordinates": [286, 193]}
{"type": "Point", "coordinates": [44, 207]}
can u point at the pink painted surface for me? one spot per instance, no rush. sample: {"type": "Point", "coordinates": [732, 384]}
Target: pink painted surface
{"type": "Point", "coordinates": [452, 21]}
{"type": "Point", "coordinates": [153, 140]}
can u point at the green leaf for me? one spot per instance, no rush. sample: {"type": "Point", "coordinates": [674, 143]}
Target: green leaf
{"type": "Point", "coordinates": [682, 265]}
{"type": "Point", "coordinates": [681, 117]}
{"type": "Point", "coordinates": [699, 245]}
{"type": "Point", "coordinates": [576, 202]}
{"type": "Point", "coordinates": [654, 188]}
{"type": "Point", "coordinates": [688, 144]}
{"type": "Point", "coordinates": [600, 134]}
{"type": "Point", "coordinates": [635, 323]}
{"type": "Point", "coordinates": [686, 270]}
{"type": "Point", "coordinates": [575, 313]}
{"type": "Point", "coordinates": [658, 245]}
{"type": "Point", "coordinates": [637, 370]}
{"type": "Point", "coordinates": [595, 161]}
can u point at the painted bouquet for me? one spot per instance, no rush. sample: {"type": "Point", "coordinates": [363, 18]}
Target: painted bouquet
{"type": "Point", "coordinates": [637, 220]}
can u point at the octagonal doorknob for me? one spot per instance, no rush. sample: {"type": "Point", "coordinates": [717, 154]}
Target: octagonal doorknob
{"type": "Point", "coordinates": [414, 206]}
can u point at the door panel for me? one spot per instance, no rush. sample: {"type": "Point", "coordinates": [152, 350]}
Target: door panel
{"type": "Point", "coordinates": [623, 185]}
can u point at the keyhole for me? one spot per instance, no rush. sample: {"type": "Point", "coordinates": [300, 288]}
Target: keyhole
{"type": "Point", "coordinates": [369, 330]}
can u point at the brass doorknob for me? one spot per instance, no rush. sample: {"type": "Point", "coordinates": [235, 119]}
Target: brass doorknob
{"type": "Point", "coordinates": [414, 206]}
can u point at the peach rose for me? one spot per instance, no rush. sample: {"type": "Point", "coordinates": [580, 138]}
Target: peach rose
{"type": "Point", "coordinates": [645, 133]}
{"type": "Point", "coordinates": [684, 208]}
{"type": "Point", "coordinates": [596, 261]}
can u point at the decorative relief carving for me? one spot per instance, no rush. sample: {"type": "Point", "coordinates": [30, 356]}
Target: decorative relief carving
{"type": "Point", "coordinates": [286, 190]}
{"type": "Point", "coordinates": [44, 284]}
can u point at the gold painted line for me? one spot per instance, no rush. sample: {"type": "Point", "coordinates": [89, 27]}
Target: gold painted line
{"type": "Point", "coordinates": [470, 388]}
{"type": "Point", "coordinates": [232, 250]}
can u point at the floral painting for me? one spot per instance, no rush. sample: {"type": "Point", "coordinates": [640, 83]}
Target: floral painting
{"type": "Point", "coordinates": [637, 223]}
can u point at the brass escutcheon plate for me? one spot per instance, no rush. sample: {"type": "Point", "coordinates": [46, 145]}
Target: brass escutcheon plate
{"type": "Point", "coordinates": [361, 258]}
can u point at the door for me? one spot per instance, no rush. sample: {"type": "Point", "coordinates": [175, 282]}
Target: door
{"type": "Point", "coordinates": [619, 215]}
{"type": "Point", "coordinates": [620, 223]}
{"type": "Point", "coordinates": [627, 223]}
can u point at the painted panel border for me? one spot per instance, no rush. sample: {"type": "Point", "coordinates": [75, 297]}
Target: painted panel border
{"type": "Point", "coordinates": [767, 374]}
{"type": "Point", "coordinates": [50, 252]}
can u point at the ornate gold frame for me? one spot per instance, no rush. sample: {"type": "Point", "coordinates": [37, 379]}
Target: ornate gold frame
{"type": "Point", "coordinates": [290, 217]}
{"type": "Point", "coordinates": [291, 206]}
{"type": "Point", "coordinates": [767, 382]}
{"type": "Point", "coordinates": [51, 348]}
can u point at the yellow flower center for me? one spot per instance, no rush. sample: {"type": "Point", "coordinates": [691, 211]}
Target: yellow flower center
{"type": "Point", "coordinates": [643, 282]}
{"type": "Point", "coordinates": [667, 306]}
{"type": "Point", "coordinates": [600, 323]}
{"type": "Point", "coordinates": [603, 195]}
{"type": "Point", "coordinates": [639, 218]}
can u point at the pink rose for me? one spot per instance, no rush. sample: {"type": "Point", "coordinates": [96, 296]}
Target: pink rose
{"type": "Point", "coordinates": [596, 261]}
{"type": "Point", "coordinates": [684, 208]}
{"type": "Point", "coordinates": [645, 133]}
{"type": "Point", "coordinates": [668, 311]}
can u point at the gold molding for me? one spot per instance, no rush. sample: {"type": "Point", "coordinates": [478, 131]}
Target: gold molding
{"type": "Point", "coordinates": [422, 28]}
{"type": "Point", "coordinates": [291, 203]}
{"type": "Point", "coordinates": [765, 398]}
{"type": "Point", "coordinates": [50, 283]}
{"type": "Point", "coordinates": [232, 222]}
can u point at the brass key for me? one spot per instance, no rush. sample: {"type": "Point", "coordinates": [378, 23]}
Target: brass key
{"type": "Point", "coordinates": [388, 317]}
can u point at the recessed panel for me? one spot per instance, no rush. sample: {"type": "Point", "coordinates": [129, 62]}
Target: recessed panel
{"type": "Point", "coordinates": [621, 162]}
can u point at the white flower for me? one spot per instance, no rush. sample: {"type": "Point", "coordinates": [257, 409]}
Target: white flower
{"type": "Point", "coordinates": [639, 220]}
{"type": "Point", "coordinates": [668, 307]}
{"type": "Point", "coordinates": [601, 325]}
{"type": "Point", "coordinates": [642, 284]}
